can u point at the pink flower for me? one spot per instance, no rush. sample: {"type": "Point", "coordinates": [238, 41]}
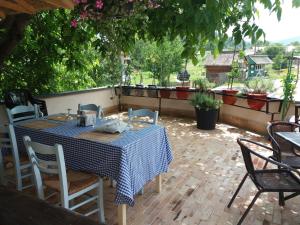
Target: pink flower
{"type": "Point", "coordinates": [83, 14]}
{"type": "Point", "coordinates": [76, 1]}
{"type": "Point", "coordinates": [74, 23]}
{"type": "Point", "coordinates": [99, 4]}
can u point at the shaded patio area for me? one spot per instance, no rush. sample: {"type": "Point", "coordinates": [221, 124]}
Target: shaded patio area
{"type": "Point", "coordinates": [206, 170]}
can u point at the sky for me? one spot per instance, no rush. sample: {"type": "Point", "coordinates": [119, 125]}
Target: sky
{"type": "Point", "coordinates": [287, 27]}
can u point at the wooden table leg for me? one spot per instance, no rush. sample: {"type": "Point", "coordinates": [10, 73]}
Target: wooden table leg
{"type": "Point", "coordinates": [122, 214]}
{"type": "Point", "coordinates": [158, 183]}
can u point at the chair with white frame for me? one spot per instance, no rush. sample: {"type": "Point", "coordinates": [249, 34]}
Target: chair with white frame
{"type": "Point", "coordinates": [22, 166]}
{"type": "Point", "coordinates": [22, 112]}
{"type": "Point", "coordinates": [132, 114]}
{"type": "Point", "coordinates": [92, 107]}
{"type": "Point", "coordinates": [71, 184]}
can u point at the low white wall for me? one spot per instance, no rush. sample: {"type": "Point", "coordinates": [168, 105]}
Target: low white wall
{"type": "Point", "coordinates": [105, 97]}
{"type": "Point", "coordinates": [240, 117]}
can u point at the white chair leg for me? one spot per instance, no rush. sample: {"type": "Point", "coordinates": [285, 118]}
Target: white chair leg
{"type": "Point", "coordinates": [19, 185]}
{"type": "Point", "coordinates": [100, 203]}
{"type": "Point", "coordinates": [141, 192]}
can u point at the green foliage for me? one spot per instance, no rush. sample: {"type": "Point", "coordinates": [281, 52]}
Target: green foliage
{"type": "Point", "coordinates": [233, 74]}
{"type": "Point", "coordinates": [203, 84]}
{"type": "Point", "coordinates": [204, 101]}
{"type": "Point", "coordinates": [279, 62]}
{"type": "Point", "coordinates": [289, 83]}
{"type": "Point", "coordinates": [259, 85]}
{"type": "Point", "coordinates": [161, 58]}
{"type": "Point", "coordinates": [53, 57]}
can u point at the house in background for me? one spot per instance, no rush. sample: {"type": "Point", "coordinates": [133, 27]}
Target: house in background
{"type": "Point", "coordinates": [256, 65]}
{"type": "Point", "coordinates": [217, 68]}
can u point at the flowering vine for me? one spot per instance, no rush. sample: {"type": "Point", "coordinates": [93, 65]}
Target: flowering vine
{"type": "Point", "coordinates": [113, 9]}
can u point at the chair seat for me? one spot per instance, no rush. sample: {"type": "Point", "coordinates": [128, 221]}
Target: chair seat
{"type": "Point", "coordinates": [9, 160]}
{"type": "Point", "coordinates": [292, 161]}
{"type": "Point", "coordinates": [77, 181]}
{"type": "Point", "coordinates": [274, 180]}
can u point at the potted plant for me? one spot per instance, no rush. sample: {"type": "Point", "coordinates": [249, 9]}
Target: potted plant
{"type": "Point", "coordinates": [152, 91]}
{"type": "Point", "coordinates": [229, 93]}
{"type": "Point", "coordinates": [182, 90]}
{"type": "Point", "coordinates": [164, 91]}
{"type": "Point", "coordinates": [139, 90]}
{"type": "Point", "coordinates": [257, 89]}
{"type": "Point", "coordinates": [206, 108]}
{"type": "Point", "coordinates": [289, 84]}
{"type": "Point", "coordinates": [202, 84]}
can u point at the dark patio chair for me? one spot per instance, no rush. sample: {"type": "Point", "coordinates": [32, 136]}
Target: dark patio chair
{"type": "Point", "coordinates": [283, 151]}
{"type": "Point", "coordinates": [283, 179]}
{"type": "Point", "coordinates": [18, 97]}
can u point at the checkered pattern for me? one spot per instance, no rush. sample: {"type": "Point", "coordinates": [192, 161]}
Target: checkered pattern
{"type": "Point", "coordinates": [132, 160]}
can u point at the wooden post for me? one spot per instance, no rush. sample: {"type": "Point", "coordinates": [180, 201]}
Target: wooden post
{"type": "Point", "coordinates": [158, 183]}
{"type": "Point", "coordinates": [122, 214]}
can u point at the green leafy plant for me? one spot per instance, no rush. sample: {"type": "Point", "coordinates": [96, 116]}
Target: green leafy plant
{"type": "Point", "coordinates": [206, 102]}
{"type": "Point", "coordinates": [233, 74]}
{"type": "Point", "coordinates": [203, 84]}
{"type": "Point", "coordinates": [259, 85]}
{"type": "Point", "coordinates": [289, 83]}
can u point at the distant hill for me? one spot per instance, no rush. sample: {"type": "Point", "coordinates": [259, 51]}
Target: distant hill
{"type": "Point", "coordinates": [288, 41]}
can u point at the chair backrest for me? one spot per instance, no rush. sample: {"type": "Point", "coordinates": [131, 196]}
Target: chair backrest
{"type": "Point", "coordinates": [8, 142]}
{"type": "Point", "coordinates": [39, 155]}
{"type": "Point", "coordinates": [15, 98]}
{"type": "Point", "coordinates": [277, 142]}
{"type": "Point", "coordinates": [92, 107]}
{"type": "Point", "coordinates": [22, 112]}
{"type": "Point", "coordinates": [143, 113]}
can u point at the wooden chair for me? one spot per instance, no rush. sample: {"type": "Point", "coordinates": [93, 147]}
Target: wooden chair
{"type": "Point", "coordinates": [132, 114]}
{"type": "Point", "coordinates": [283, 179]}
{"type": "Point", "coordinates": [70, 184]}
{"type": "Point", "coordinates": [92, 107]}
{"type": "Point", "coordinates": [22, 166]}
{"type": "Point", "coordinates": [22, 112]}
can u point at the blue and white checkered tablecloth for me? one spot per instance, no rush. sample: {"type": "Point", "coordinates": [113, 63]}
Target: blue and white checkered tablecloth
{"type": "Point", "coordinates": [132, 160]}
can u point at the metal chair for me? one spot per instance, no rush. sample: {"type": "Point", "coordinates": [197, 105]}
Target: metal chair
{"type": "Point", "coordinates": [17, 97]}
{"type": "Point", "coordinates": [71, 184]}
{"type": "Point", "coordinates": [283, 151]}
{"type": "Point", "coordinates": [92, 107]}
{"type": "Point", "coordinates": [143, 113]}
{"type": "Point", "coordinates": [22, 112]}
{"type": "Point", "coordinates": [9, 155]}
{"type": "Point", "coordinates": [279, 180]}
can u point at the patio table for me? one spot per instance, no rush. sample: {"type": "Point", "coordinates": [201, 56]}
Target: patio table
{"type": "Point", "coordinates": [292, 137]}
{"type": "Point", "coordinates": [132, 159]}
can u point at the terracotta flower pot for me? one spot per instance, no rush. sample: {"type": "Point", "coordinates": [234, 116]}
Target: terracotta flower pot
{"type": "Point", "coordinates": [253, 103]}
{"type": "Point", "coordinates": [139, 90]}
{"type": "Point", "coordinates": [165, 93]}
{"type": "Point", "coordinates": [229, 97]}
{"type": "Point", "coordinates": [182, 92]}
{"type": "Point", "coordinates": [152, 92]}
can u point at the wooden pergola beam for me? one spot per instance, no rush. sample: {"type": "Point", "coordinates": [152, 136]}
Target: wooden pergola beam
{"type": "Point", "coordinates": [69, 4]}
{"type": "Point", "coordinates": [26, 5]}
{"type": "Point", "coordinates": [14, 7]}
{"type": "Point", "coordinates": [2, 14]}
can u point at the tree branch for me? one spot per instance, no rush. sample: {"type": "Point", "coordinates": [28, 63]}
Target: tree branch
{"type": "Point", "coordinates": [15, 26]}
